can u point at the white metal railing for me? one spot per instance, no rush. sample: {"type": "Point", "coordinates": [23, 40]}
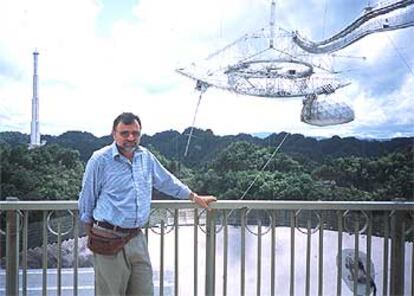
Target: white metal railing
{"type": "Point", "coordinates": [260, 221]}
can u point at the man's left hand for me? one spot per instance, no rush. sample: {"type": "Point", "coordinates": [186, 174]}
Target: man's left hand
{"type": "Point", "coordinates": [202, 200]}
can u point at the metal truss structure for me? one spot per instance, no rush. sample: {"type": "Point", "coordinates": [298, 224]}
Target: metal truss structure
{"type": "Point", "coordinates": [276, 63]}
{"type": "Point", "coordinates": [385, 16]}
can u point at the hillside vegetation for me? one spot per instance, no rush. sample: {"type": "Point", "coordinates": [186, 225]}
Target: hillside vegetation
{"type": "Point", "coordinates": [304, 169]}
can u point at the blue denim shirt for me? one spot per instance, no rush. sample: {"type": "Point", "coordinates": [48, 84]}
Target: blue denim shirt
{"type": "Point", "coordinates": [117, 190]}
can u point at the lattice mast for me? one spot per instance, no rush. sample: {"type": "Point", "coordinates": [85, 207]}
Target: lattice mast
{"type": "Point", "coordinates": [35, 131]}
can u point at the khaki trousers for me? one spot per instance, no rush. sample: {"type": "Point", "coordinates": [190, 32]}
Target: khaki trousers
{"type": "Point", "coordinates": [127, 273]}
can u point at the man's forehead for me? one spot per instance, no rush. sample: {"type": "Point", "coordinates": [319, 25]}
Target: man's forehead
{"type": "Point", "coordinates": [133, 124]}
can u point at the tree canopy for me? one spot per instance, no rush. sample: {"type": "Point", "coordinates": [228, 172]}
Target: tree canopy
{"type": "Point", "coordinates": [350, 170]}
{"type": "Point", "coordinates": [50, 172]}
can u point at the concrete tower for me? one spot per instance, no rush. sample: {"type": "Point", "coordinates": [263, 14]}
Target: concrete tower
{"type": "Point", "coordinates": [34, 131]}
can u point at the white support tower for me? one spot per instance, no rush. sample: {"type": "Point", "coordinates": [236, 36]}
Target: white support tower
{"type": "Point", "coordinates": [34, 131]}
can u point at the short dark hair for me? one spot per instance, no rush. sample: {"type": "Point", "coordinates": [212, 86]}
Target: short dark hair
{"type": "Point", "coordinates": [126, 118]}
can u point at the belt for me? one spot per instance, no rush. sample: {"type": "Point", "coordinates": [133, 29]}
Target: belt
{"type": "Point", "coordinates": [115, 228]}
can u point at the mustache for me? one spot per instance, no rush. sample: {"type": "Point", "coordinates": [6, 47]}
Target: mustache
{"type": "Point", "coordinates": [129, 148]}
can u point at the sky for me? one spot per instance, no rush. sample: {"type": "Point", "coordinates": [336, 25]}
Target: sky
{"type": "Point", "coordinates": [98, 58]}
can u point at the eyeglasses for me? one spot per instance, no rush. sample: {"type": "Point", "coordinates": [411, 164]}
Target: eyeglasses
{"type": "Point", "coordinates": [125, 134]}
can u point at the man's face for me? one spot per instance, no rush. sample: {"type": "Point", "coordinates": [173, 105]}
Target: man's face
{"type": "Point", "coordinates": [127, 136]}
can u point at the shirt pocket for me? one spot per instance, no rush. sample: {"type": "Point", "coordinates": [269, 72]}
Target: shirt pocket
{"type": "Point", "coordinates": [142, 170]}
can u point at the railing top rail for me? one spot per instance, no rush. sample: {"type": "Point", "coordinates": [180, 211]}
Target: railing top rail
{"type": "Point", "coordinates": [226, 204]}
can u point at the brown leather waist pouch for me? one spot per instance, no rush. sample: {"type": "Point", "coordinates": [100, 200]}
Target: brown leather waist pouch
{"type": "Point", "coordinates": [107, 243]}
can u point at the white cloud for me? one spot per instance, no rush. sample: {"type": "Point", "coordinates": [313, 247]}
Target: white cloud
{"type": "Point", "coordinates": [87, 78]}
{"type": "Point", "coordinates": [395, 107]}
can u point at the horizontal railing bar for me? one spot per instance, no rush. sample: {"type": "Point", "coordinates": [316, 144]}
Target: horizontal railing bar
{"type": "Point", "coordinates": [228, 204]}
{"type": "Point", "coordinates": [24, 205]}
{"type": "Point", "coordinates": [293, 205]}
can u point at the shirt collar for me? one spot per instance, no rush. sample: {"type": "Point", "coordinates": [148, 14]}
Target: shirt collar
{"type": "Point", "coordinates": [116, 154]}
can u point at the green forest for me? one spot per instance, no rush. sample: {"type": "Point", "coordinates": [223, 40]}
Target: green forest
{"type": "Point", "coordinates": [304, 168]}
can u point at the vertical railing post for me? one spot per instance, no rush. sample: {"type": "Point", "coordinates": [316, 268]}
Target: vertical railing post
{"type": "Point", "coordinates": [243, 223]}
{"type": "Point", "coordinates": [176, 254]}
{"type": "Point", "coordinates": [292, 253]}
{"type": "Point", "coordinates": [397, 254]}
{"type": "Point", "coordinates": [196, 222]}
{"type": "Point", "coordinates": [12, 251]}
{"type": "Point", "coordinates": [320, 254]}
{"type": "Point", "coordinates": [75, 252]}
{"type": "Point", "coordinates": [210, 253]}
{"type": "Point", "coordinates": [385, 257]}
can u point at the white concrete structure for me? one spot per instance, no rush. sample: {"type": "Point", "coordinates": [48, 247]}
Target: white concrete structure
{"type": "Point", "coordinates": [34, 130]}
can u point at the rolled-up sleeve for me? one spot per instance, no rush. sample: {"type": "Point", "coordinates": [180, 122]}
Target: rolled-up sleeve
{"type": "Point", "coordinates": [90, 190]}
{"type": "Point", "coordinates": [166, 182]}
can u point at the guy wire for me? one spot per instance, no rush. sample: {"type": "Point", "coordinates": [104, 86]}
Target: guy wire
{"type": "Point", "coordinates": [192, 126]}
{"type": "Point", "coordinates": [400, 55]}
{"type": "Point", "coordinates": [264, 167]}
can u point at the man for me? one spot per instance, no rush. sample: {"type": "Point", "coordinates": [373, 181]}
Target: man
{"type": "Point", "coordinates": [115, 197]}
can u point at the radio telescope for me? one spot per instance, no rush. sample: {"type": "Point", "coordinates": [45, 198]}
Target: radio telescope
{"type": "Point", "coordinates": [273, 62]}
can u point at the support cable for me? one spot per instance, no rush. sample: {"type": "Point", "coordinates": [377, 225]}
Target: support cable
{"type": "Point", "coordinates": [324, 19]}
{"type": "Point", "coordinates": [272, 23]}
{"type": "Point", "coordinates": [202, 87]}
{"type": "Point", "coordinates": [264, 167]}
{"type": "Point", "coordinates": [261, 170]}
{"type": "Point", "coordinates": [400, 55]}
